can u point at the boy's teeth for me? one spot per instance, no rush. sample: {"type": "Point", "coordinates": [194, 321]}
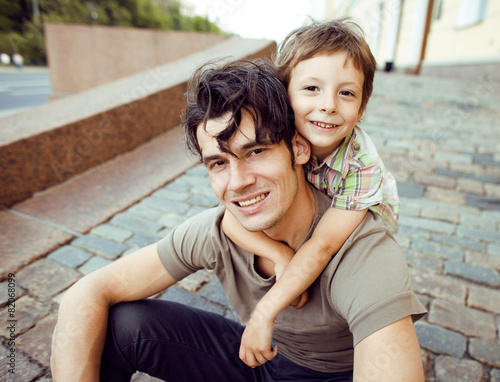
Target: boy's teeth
{"type": "Point", "coordinates": [325, 125]}
{"type": "Point", "coordinates": [252, 201]}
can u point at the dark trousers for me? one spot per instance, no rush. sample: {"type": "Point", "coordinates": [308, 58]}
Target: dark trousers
{"type": "Point", "coordinates": [175, 342]}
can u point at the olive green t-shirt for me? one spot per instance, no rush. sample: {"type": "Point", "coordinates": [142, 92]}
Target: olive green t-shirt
{"type": "Point", "coordinates": [365, 287]}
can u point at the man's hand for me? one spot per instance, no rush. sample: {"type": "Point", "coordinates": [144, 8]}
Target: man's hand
{"type": "Point", "coordinates": [256, 343]}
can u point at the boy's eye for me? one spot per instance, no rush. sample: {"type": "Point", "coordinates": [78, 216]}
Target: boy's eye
{"type": "Point", "coordinates": [346, 93]}
{"type": "Point", "coordinates": [311, 88]}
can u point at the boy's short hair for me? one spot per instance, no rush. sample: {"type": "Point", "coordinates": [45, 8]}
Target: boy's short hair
{"type": "Point", "coordinates": [326, 38]}
{"type": "Point", "coordinates": [220, 88]}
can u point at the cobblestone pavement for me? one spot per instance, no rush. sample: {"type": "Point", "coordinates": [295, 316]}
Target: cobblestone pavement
{"type": "Point", "coordinates": [440, 138]}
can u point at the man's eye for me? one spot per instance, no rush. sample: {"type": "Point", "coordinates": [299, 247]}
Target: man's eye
{"type": "Point", "coordinates": [257, 151]}
{"type": "Point", "coordinates": [219, 163]}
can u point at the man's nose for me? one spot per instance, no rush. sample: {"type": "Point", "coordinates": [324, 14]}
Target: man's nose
{"type": "Point", "coordinates": [241, 176]}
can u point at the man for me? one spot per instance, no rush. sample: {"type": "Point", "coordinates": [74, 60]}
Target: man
{"type": "Point", "coordinates": [359, 316]}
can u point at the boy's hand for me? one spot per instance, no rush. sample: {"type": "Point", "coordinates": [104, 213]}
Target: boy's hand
{"type": "Point", "coordinates": [300, 301]}
{"type": "Point", "coordinates": [256, 343]}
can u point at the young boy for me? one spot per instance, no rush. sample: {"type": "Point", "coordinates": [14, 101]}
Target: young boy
{"type": "Point", "coordinates": [328, 69]}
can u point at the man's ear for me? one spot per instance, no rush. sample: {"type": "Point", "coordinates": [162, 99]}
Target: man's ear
{"type": "Point", "coordinates": [301, 148]}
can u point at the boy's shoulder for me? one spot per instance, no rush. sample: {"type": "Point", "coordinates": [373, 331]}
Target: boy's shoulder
{"type": "Point", "coordinates": [362, 149]}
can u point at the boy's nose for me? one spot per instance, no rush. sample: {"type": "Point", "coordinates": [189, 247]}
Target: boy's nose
{"type": "Point", "coordinates": [328, 105]}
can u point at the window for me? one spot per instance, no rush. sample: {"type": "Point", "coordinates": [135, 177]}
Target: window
{"type": "Point", "coordinates": [471, 12]}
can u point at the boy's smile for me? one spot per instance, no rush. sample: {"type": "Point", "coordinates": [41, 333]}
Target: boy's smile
{"type": "Point", "coordinates": [326, 94]}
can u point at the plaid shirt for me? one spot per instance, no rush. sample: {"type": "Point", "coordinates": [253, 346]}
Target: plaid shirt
{"type": "Point", "coordinates": [355, 177]}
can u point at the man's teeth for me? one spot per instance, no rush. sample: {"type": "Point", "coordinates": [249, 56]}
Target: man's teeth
{"type": "Point", "coordinates": [247, 203]}
{"type": "Point", "coordinates": [325, 125]}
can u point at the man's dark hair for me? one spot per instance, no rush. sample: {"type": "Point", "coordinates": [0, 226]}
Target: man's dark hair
{"type": "Point", "coordinates": [225, 88]}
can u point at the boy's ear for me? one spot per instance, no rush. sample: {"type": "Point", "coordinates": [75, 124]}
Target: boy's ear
{"type": "Point", "coordinates": [302, 149]}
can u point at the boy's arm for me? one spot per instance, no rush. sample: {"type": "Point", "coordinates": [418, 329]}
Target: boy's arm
{"type": "Point", "coordinates": [79, 335]}
{"type": "Point", "coordinates": [257, 242]}
{"type": "Point", "coordinates": [332, 231]}
{"type": "Point", "coordinates": [390, 354]}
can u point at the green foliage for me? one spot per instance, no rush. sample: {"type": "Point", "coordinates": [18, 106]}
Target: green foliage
{"type": "Point", "coordinates": [21, 32]}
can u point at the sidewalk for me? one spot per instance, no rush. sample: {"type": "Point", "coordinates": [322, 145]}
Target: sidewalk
{"type": "Point", "coordinates": [440, 139]}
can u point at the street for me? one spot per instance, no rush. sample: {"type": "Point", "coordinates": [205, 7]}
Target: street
{"type": "Point", "coordinates": [23, 88]}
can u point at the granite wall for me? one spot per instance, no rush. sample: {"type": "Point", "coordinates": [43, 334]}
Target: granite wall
{"type": "Point", "coordinates": [52, 143]}
{"type": "Point", "coordinates": [81, 56]}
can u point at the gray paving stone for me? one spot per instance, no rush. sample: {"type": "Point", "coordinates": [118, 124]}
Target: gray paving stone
{"type": "Point", "coordinates": [100, 246]}
{"type": "Point", "coordinates": [37, 341]}
{"type": "Point", "coordinates": [452, 252]}
{"type": "Point", "coordinates": [141, 240]}
{"type": "Point", "coordinates": [199, 170]}
{"type": "Point", "coordinates": [46, 278]}
{"type": "Point", "coordinates": [463, 319]}
{"type": "Point", "coordinates": [166, 205]}
{"type": "Point", "coordinates": [181, 296]}
{"type": "Point", "coordinates": [413, 232]}
{"type": "Point", "coordinates": [24, 369]}
{"type": "Point", "coordinates": [482, 202]}
{"type": "Point", "coordinates": [214, 292]}
{"type": "Point", "coordinates": [136, 224]}
{"type": "Point", "coordinates": [478, 233]}
{"type": "Point", "coordinates": [29, 311]}
{"type": "Point", "coordinates": [71, 256]}
{"type": "Point", "coordinates": [410, 190]}
{"type": "Point", "coordinates": [485, 160]}
{"type": "Point", "coordinates": [493, 249]}
{"type": "Point", "coordinates": [112, 232]}
{"type": "Point", "coordinates": [424, 261]}
{"type": "Point", "coordinates": [440, 340]}
{"type": "Point", "coordinates": [462, 242]}
{"type": "Point", "coordinates": [195, 211]}
{"type": "Point", "coordinates": [171, 220]}
{"type": "Point", "coordinates": [177, 187]}
{"type": "Point", "coordinates": [487, 352]}
{"type": "Point", "coordinates": [171, 195]}
{"type": "Point", "coordinates": [495, 375]}
{"type": "Point", "coordinates": [426, 224]}
{"type": "Point", "coordinates": [194, 281]}
{"type": "Point", "coordinates": [205, 200]}
{"type": "Point", "coordinates": [451, 157]}
{"type": "Point", "coordinates": [453, 369]}
{"type": "Point", "coordinates": [94, 264]}
{"type": "Point", "coordinates": [7, 288]}
{"type": "Point", "coordinates": [472, 272]}
{"type": "Point", "coordinates": [193, 181]}
{"type": "Point", "coordinates": [146, 212]}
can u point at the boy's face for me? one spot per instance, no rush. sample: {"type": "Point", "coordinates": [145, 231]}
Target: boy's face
{"type": "Point", "coordinates": [326, 94]}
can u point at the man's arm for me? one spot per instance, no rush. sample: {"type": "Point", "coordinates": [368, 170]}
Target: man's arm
{"type": "Point", "coordinates": [389, 354]}
{"type": "Point", "coordinates": [79, 335]}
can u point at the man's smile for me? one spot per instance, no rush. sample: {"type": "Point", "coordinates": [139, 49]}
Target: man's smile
{"type": "Point", "coordinates": [249, 202]}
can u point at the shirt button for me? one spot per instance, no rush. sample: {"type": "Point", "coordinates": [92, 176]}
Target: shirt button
{"type": "Point", "coordinates": [355, 146]}
{"type": "Point", "coordinates": [353, 205]}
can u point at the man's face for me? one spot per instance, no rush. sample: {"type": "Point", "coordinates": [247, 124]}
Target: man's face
{"type": "Point", "coordinates": [255, 182]}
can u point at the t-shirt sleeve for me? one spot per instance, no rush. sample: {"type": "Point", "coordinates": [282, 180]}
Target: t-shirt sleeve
{"type": "Point", "coordinates": [371, 288]}
{"type": "Point", "coordinates": [191, 246]}
{"type": "Point", "coordinates": [361, 188]}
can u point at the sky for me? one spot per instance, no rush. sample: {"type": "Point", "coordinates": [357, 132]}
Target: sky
{"type": "Point", "coordinates": [270, 19]}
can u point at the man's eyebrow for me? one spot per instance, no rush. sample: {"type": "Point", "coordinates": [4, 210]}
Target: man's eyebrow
{"type": "Point", "coordinates": [211, 158]}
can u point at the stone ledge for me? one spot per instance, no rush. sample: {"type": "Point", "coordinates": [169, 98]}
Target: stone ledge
{"type": "Point", "coordinates": [49, 144]}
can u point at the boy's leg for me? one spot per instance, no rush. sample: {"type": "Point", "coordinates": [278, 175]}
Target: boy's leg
{"type": "Point", "coordinates": [172, 342]}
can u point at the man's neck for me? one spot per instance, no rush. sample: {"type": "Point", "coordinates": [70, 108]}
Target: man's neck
{"type": "Point", "coordinates": [293, 228]}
